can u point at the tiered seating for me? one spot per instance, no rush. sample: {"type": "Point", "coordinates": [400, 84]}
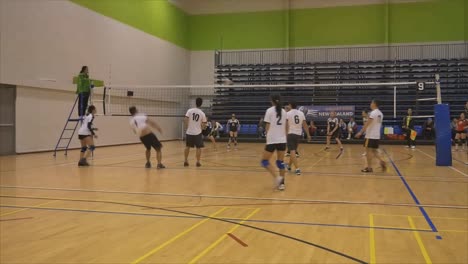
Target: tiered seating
{"type": "Point", "coordinates": [250, 103]}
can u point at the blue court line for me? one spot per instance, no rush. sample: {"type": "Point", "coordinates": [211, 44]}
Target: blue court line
{"type": "Point", "coordinates": [230, 219]}
{"type": "Point", "coordinates": [415, 199]}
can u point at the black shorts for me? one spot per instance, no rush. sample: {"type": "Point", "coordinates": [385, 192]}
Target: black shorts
{"type": "Point", "coordinates": [81, 137]}
{"type": "Point", "coordinates": [371, 143]}
{"type": "Point", "coordinates": [151, 140]}
{"type": "Point", "coordinates": [273, 147]}
{"type": "Point", "coordinates": [194, 141]}
{"type": "Point", "coordinates": [460, 132]}
{"type": "Point", "coordinates": [233, 129]}
{"type": "Point", "coordinates": [293, 141]}
{"type": "Point", "coordinates": [336, 134]}
{"type": "Point", "coordinates": [206, 132]}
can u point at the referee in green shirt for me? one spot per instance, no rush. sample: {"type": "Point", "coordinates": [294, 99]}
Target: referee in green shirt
{"type": "Point", "coordinates": [83, 89]}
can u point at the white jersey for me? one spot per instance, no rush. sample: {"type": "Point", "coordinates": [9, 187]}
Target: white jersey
{"type": "Point", "coordinates": [138, 123]}
{"type": "Point", "coordinates": [277, 132]}
{"type": "Point", "coordinates": [373, 131]}
{"type": "Point", "coordinates": [295, 120]}
{"type": "Point", "coordinates": [86, 126]}
{"type": "Point", "coordinates": [196, 118]}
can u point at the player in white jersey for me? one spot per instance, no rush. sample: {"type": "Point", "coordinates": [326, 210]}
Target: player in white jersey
{"type": "Point", "coordinates": [141, 125]}
{"type": "Point", "coordinates": [372, 128]}
{"type": "Point", "coordinates": [296, 124]}
{"type": "Point", "coordinates": [195, 122]}
{"type": "Point", "coordinates": [276, 130]}
{"type": "Point", "coordinates": [86, 135]}
{"type": "Point", "coordinates": [333, 130]}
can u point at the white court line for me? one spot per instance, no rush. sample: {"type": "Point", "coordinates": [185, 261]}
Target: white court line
{"type": "Point", "coordinates": [236, 197]}
{"type": "Point", "coordinates": [432, 157]}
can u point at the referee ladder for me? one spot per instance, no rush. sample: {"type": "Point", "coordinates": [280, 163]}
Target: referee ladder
{"type": "Point", "coordinates": [68, 132]}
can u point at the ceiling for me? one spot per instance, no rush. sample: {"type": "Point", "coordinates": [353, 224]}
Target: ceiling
{"type": "Point", "coordinates": [196, 7]}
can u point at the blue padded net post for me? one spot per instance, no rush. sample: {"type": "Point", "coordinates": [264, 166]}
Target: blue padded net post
{"type": "Point", "coordinates": [443, 135]}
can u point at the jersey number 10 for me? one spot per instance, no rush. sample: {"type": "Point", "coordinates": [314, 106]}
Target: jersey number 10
{"type": "Point", "coordinates": [195, 117]}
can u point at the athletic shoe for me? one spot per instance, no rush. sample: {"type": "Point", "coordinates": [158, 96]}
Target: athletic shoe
{"type": "Point", "coordinates": [286, 166]}
{"type": "Point", "coordinates": [161, 166]}
{"type": "Point", "coordinates": [327, 148]}
{"type": "Point", "coordinates": [228, 147]}
{"type": "Point", "coordinates": [297, 155]}
{"type": "Point", "coordinates": [298, 172]}
{"type": "Point", "coordinates": [280, 183]}
{"type": "Point", "coordinates": [364, 154]}
{"type": "Point", "coordinates": [383, 165]}
{"type": "Point", "coordinates": [198, 164]}
{"type": "Point", "coordinates": [148, 165]}
{"type": "Point", "coordinates": [287, 155]}
{"type": "Point", "coordinates": [413, 147]}
{"type": "Point", "coordinates": [186, 164]}
{"type": "Point", "coordinates": [83, 163]}
{"type": "Point", "coordinates": [407, 146]}
{"type": "Point", "coordinates": [367, 170]}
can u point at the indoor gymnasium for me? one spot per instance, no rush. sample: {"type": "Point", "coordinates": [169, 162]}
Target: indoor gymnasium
{"type": "Point", "coordinates": [233, 131]}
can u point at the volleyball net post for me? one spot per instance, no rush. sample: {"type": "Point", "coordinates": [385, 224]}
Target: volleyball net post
{"type": "Point", "coordinates": [443, 130]}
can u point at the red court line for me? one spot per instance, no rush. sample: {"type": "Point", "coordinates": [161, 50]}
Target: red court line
{"type": "Point", "coordinates": [237, 240]}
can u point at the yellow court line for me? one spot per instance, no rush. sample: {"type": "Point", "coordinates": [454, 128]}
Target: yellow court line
{"type": "Point", "coordinates": [418, 216]}
{"type": "Point", "coordinates": [371, 239]}
{"type": "Point", "coordinates": [214, 244]}
{"type": "Point", "coordinates": [21, 210]}
{"type": "Point", "coordinates": [181, 234]}
{"type": "Point", "coordinates": [420, 243]}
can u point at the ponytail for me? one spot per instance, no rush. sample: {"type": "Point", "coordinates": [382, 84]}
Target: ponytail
{"type": "Point", "coordinates": [276, 100]}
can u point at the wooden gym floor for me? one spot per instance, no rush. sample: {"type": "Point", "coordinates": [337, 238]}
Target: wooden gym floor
{"type": "Point", "coordinates": [116, 211]}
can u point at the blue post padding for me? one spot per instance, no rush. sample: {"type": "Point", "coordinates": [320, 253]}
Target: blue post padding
{"type": "Point", "coordinates": [443, 135]}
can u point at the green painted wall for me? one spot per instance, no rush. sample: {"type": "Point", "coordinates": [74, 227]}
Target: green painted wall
{"type": "Point", "coordinates": [238, 30]}
{"type": "Point", "coordinates": [338, 26]}
{"type": "Point", "coordinates": [432, 21]}
{"type": "Point", "coordinates": [156, 17]}
{"type": "Point", "coordinates": [428, 22]}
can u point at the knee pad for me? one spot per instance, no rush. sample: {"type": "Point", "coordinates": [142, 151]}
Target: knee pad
{"type": "Point", "coordinates": [92, 147]}
{"type": "Point", "coordinates": [463, 141]}
{"type": "Point", "coordinates": [83, 149]}
{"type": "Point", "coordinates": [265, 163]}
{"type": "Point", "coordinates": [457, 141]}
{"type": "Point", "coordinates": [280, 164]}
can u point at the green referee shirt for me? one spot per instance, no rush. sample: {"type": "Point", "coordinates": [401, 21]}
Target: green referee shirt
{"type": "Point", "coordinates": [83, 84]}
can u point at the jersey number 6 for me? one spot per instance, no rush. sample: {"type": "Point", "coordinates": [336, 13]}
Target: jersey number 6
{"type": "Point", "coordinates": [296, 119]}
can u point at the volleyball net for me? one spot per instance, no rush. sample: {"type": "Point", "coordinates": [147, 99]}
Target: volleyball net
{"type": "Point", "coordinates": [174, 100]}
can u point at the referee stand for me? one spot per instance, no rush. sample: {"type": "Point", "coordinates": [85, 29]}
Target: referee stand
{"type": "Point", "coordinates": [71, 123]}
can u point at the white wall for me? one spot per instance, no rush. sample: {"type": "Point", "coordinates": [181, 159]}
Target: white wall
{"type": "Point", "coordinates": [202, 67]}
{"type": "Point", "coordinates": [41, 115]}
{"type": "Point", "coordinates": [52, 39]}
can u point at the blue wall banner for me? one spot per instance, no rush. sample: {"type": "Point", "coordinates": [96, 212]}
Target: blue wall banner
{"type": "Point", "coordinates": [322, 112]}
